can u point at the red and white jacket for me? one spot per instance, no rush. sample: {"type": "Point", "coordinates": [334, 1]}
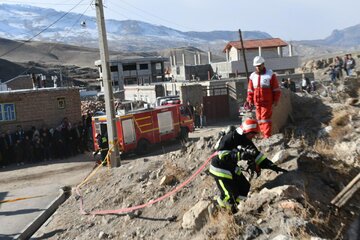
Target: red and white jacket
{"type": "Point", "coordinates": [263, 89]}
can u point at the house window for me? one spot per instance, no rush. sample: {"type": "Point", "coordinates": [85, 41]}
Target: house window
{"type": "Point", "coordinates": [129, 67]}
{"type": "Point", "coordinates": [61, 103]}
{"type": "Point", "coordinates": [113, 68]}
{"type": "Point", "coordinates": [7, 112]}
{"type": "Point", "coordinates": [144, 66]}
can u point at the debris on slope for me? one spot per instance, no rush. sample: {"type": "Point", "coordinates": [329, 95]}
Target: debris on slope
{"type": "Point", "coordinates": [318, 148]}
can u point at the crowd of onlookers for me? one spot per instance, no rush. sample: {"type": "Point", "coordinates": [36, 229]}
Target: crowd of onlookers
{"type": "Point", "coordinates": [347, 64]}
{"type": "Point", "coordinates": [306, 84]}
{"type": "Point", "coordinates": [197, 113]}
{"type": "Point", "coordinates": [36, 145]}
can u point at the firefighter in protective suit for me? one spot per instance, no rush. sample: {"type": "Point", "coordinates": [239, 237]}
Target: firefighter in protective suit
{"type": "Point", "coordinates": [103, 144]}
{"type": "Point", "coordinates": [263, 92]}
{"type": "Point", "coordinates": [234, 147]}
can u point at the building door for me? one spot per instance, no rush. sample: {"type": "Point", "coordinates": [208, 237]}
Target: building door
{"type": "Point", "coordinates": [216, 104]}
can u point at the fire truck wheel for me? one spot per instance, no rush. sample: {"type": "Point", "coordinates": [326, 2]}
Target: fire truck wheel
{"type": "Point", "coordinates": [184, 133]}
{"type": "Point", "coordinates": [143, 147]}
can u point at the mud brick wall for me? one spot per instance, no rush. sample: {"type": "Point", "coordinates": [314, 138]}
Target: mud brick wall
{"type": "Point", "coordinates": [45, 106]}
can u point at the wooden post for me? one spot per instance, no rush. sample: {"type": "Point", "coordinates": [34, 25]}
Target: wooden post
{"type": "Point", "coordinates": [345, 194]}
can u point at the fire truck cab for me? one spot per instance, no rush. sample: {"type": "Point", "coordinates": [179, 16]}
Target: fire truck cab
{"type": "Point", "coordinates": [139, 129]}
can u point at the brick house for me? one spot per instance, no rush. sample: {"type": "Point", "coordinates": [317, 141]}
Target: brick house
{"type": "Point", "coordinates": [20, 82]}
{"type": "Point", "coordinates": [44, 106]}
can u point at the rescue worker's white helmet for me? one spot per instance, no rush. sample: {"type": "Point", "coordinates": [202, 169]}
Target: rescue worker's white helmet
{"type": "Point", "coordinates": [258, 60]}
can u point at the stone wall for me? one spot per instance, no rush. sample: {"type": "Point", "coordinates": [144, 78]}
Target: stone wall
{"type": "Point", "coordinates": [45, 106]}
{"type": "Point", "coordinates": [281, 111]}
{"type": "Point", "coordinates": [22, 82]}
{"type": "Point", "coordinates": [192, 93]}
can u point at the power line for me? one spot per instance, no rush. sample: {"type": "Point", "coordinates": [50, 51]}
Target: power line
{"type": "Point", "coordinates": [45, 3]}
{"type": "Point", "coordinates": [68, 31]}
{"type": "Point", "coordinates": [31, 32]}
{"type": "Point", "coordinates": [46, 28]}
{"type": "Point", "coordinates": [152, 15]}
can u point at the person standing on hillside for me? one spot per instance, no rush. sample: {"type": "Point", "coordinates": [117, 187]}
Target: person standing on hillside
{"type": "Point", "coordinates": [263, 92]}
{"type": "Point", "coordinates": [292, 85]}
{"type": "Point", "coordinates": [345, 66]}
{"type": "Point", "coordinates": [350, 64]}
{"type": "Point", "coordinates": [338, 64]}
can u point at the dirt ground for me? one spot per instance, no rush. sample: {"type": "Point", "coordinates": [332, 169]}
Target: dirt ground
{"type": "Point", "coordinates": [318, 147]}
{"type": "Point", "coordinates": [279, 206]}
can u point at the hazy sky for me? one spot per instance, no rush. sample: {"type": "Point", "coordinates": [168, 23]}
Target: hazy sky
{"type": "Point", "coordinates": [287, 19]}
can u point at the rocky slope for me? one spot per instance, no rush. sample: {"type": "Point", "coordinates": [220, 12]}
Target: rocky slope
{"type": "Point", "coordinates": [318, 147]}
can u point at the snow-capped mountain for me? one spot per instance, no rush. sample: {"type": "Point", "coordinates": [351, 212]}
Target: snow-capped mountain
{"type": "Point", "coordinates": [27, 22]}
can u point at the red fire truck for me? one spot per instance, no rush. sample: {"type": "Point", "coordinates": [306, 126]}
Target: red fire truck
{"type": "Point", "coordinates": [138, 130]}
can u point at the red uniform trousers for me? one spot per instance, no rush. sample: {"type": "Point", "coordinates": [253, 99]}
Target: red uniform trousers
{"type": "Point", "coordinates": [263, 115]}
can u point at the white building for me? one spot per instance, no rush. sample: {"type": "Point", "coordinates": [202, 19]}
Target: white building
{"type": "Point", "coordinates": [271, 49]}
{"type": "Point", "coordinates": [134, 71]}
{"type": "Point", "coordinates": [277, 54]}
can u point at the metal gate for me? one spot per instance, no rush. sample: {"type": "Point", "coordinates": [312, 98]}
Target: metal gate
{"type": "Point", "coordinates": [216, 104]}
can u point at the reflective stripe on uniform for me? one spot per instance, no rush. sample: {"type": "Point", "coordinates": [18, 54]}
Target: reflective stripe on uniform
{"type": "Point", "coordinates": [261, 157]}
{"type": "Point", "coordinates": [239, 198]}
{"type": "Point", "coordinates": [248, 126]}
{"type": "Point", "coordinates": [222, 154]}
{"type": "Point", "coordinates": [276, 90]}
{"type": "Point", "coordinates": [227, 195]}
{"type": "Point", "coordinates": [264, 120]}
{"type": "Point", "coordinates": [223, 204]}
{"type": "Point", "coordinates": [219, 172]}
{"type": "Point", "coordinates": [238, 171]}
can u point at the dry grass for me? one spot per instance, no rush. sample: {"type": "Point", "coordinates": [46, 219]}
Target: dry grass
{"type": "Point", "coordinates": [324, 148]}
{"type": "Point", "coordinates": [225, 224]}
{"type": "Point", "coordinates": [340, 124]}
{"type": "Point", "coordinates": [340, 118]}
{"type": "Point", "coordinates": [172, 169]}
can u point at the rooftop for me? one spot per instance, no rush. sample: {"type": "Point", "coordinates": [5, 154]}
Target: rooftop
{"type": "Point", "coordinates": [256, 43]}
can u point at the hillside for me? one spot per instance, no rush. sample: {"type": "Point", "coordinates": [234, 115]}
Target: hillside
{"type": "Point", "coordinates": [20, 57]}
{"type": "Point", "coordinates": [12, 70]}
{"type": "Point", "coordinates": [318, 148]}
{"type": "Point", "coordinates": [348, 37]}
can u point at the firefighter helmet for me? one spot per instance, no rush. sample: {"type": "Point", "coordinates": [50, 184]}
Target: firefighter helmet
{"type": "Point", "coordinates": [258, 60]}
{"type": "Point", "coordinates": [249, 125]}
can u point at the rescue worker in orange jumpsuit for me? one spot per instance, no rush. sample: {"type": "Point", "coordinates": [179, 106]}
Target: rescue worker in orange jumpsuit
{"type": "Point", "coordinates": [263, 92]}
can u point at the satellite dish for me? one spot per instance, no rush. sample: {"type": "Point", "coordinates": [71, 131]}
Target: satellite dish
{"type": "Point", "coordinates": [83, 24]}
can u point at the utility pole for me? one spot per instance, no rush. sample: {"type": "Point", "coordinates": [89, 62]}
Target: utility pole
{"type": "Point", "coordinates": [244, 56]}
{"type": "Point", "coordinates": [108, 93]}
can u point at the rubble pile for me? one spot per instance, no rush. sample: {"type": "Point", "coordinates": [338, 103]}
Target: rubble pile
{"type": "Point", "coordinates": [319, 148]}
{"type": "Point", "coordinates": [92, 106]}
{"type": "Point", "coordinates": [98, 105]}
{"type": "Point", "coordinates": [285, 206]}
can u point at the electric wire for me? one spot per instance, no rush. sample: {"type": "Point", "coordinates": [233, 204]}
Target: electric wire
{"type": "Point", "coordinates": [156, 16]}
{"type": "Point", "coordinates": [47, 3]}
{"type": "Point", "coordinates": [46, 28]}
{"type": "Point", "coordinates": [66, 33]}
{"type": "Point", "coordinates": [146, 12]}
